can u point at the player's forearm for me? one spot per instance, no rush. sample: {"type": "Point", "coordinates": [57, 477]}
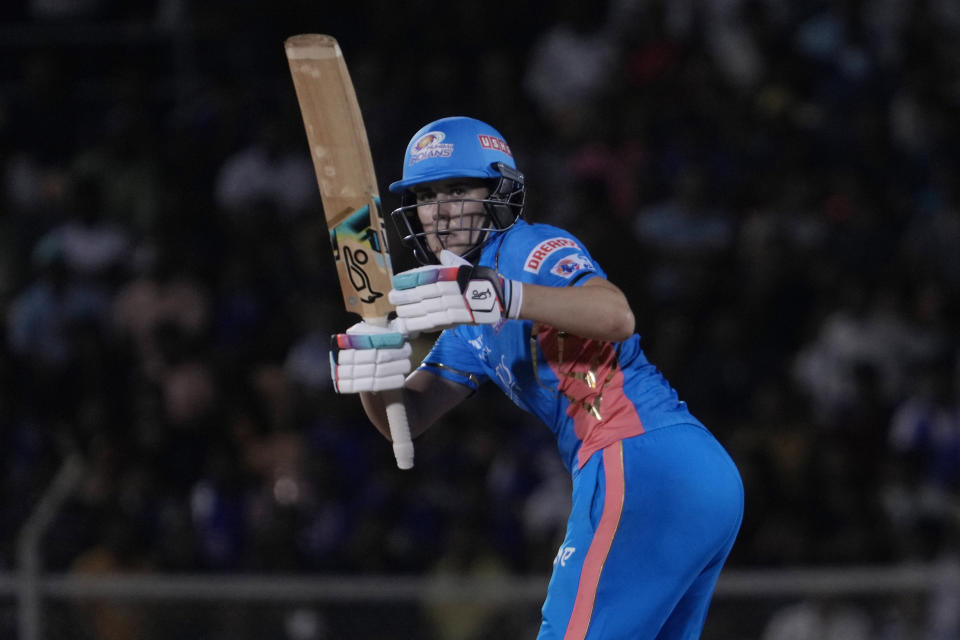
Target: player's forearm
{"type": "Point", "coordinates": [598, 311]}
{"type": "Point", "coordinates": [426, 397]}
{"type": "Point", "coordinates": [376, 410]}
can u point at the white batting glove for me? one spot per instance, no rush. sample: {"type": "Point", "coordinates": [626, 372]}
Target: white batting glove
{"type": "Point", "coordinates": [370, 358]}
{"type": "Point", "coordinates": [455, 292]}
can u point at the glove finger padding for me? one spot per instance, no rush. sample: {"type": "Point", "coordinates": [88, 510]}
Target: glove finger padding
{"type": "Point", "coordinates": [369, 358]}
{"type": "Point", "coordinates": [430, 307]}
{"type": "Point", "coordinates": [425, 282]}
{"type": "Point", "coordinates": [430, 298]}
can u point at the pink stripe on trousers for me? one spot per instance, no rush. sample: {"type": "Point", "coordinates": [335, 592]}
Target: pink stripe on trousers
{"type": "Point", "coordinates": [600, 546]}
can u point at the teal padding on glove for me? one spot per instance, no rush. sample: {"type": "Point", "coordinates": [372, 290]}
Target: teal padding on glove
{"type": "Point", "coordinates": [386, 340]}
{"type": "Point", "coordinates": [420, 277]}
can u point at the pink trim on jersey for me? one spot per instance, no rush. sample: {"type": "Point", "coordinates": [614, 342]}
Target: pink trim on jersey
{"type": "Point", "coordinates": [600, 546]}
{"type": "Point", "coordinates": [573, 360]}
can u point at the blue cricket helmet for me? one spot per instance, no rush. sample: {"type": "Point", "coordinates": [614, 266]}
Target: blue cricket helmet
{"type": "Point", "coordinates": [455, 147]}
{"type": "Point", "coordinates": [458, 147]}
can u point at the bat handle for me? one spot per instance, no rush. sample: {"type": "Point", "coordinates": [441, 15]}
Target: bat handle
{"type": "Point", "coordinates": [397, 418]}
{"type": "Point", "coordinates": [399, 428]}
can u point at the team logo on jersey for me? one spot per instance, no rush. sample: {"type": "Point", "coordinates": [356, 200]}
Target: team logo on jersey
{"type": "Point", "coordinates": [571, 265]}
{"type": "Point", "coordinates": [536, 257]}
{"type": "Point", "coordinates": [495, 143]}
{"type": "Point", "coordinates": [430, 145]}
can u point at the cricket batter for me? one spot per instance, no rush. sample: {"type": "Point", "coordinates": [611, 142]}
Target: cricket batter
{"type": "Point", "coordinates": [657, 502]}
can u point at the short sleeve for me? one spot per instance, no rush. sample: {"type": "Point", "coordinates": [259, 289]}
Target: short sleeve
{"type": "Point", "coordinates": [454, 359]}
{"type": "Point", "coordinates": [549, 256]}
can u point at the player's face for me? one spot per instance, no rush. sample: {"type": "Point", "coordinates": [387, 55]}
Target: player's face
{"type": "Point", "coordinates": [452, 213]}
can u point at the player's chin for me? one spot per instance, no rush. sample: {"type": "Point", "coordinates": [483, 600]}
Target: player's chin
{"type": "Point", "coordinates": [451, 244]}
{"type": "Point", "coordinates": [457, 248]}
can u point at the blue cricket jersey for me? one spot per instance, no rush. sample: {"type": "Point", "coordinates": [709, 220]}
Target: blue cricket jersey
{"type": "Point", "coordinates": [590, 393]}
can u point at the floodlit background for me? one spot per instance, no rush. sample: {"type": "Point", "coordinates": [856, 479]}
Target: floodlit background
{"type": "Point", "coordinates": [773, 183]}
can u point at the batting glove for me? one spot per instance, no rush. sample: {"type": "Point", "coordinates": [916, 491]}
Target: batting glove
{"type": "Point", "coordinates": [370, 358]}
{"type": "Point", "coordinates": [455, 292]}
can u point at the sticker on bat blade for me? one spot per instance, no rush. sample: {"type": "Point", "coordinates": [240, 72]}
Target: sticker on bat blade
{"type": "Point", "coordinates": [357, 227]}
{"type": "Point", "coordinates": [349, 239]}
{"type": "Point", "coordinates": [356, 260]}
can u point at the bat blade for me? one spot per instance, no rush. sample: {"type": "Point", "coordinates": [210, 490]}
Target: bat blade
{"type": "Point", "coordinates": [343, 165]}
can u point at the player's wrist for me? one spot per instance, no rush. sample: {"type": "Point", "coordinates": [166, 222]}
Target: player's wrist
{"type": "Point", "coordinates": [489, 295]}
{"type": "Point", "coordinates": [513, 302]}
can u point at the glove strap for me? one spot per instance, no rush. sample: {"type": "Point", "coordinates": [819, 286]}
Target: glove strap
{"type": "Point", "coordinates": [513, 297]}
{"type": "Point", "coordinates": [508, 292]}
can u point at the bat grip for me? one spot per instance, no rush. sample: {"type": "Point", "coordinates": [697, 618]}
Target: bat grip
{"type": "Point", "coordinates": [397, 418]}
{"type": "Point", "coordinates": [399, 428]}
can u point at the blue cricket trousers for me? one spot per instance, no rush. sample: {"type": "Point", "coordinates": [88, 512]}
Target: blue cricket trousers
{"type": "Point", "coordinates": [653, 520]}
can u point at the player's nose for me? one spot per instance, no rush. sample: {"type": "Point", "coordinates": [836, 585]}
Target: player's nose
{"type": "Point", "coordinates": [442, 218]}
{"type": "Point", "coordinates": [447, 208]}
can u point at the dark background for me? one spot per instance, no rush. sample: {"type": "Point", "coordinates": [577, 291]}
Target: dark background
{"type": "Point", "coordinates": [773, 184]}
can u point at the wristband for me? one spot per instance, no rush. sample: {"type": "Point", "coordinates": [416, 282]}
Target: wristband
{"type": "Point", "coordinates": [513, 297]}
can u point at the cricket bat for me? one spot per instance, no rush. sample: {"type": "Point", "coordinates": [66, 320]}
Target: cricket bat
{"type": "Point", "coordinates": [348, 190]}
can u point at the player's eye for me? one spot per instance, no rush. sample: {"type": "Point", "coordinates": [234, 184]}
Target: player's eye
{"type": "Point", "coordinates": [426, 196]}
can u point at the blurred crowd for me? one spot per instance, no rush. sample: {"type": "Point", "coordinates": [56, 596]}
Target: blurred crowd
{"type": "Point", "coordinates": [774, 185]}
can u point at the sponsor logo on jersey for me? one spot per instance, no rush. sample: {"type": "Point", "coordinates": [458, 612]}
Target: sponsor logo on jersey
{"type": "Point", "coordinates": [495, 143]}
{"type": "Point", "coordinates": [563, 555]}
{"type": "Point", "coordinates": [536, 257]}
{"type": "Point", "coordinates": [430, 145]}
{"type": "Point", "coordinates": [567, 267]}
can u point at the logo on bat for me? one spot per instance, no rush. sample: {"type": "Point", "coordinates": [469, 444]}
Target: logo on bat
{"type": "Point", "coordinates": [349, 239]}
{"type": "Point", "coordinates": [355, 261]}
